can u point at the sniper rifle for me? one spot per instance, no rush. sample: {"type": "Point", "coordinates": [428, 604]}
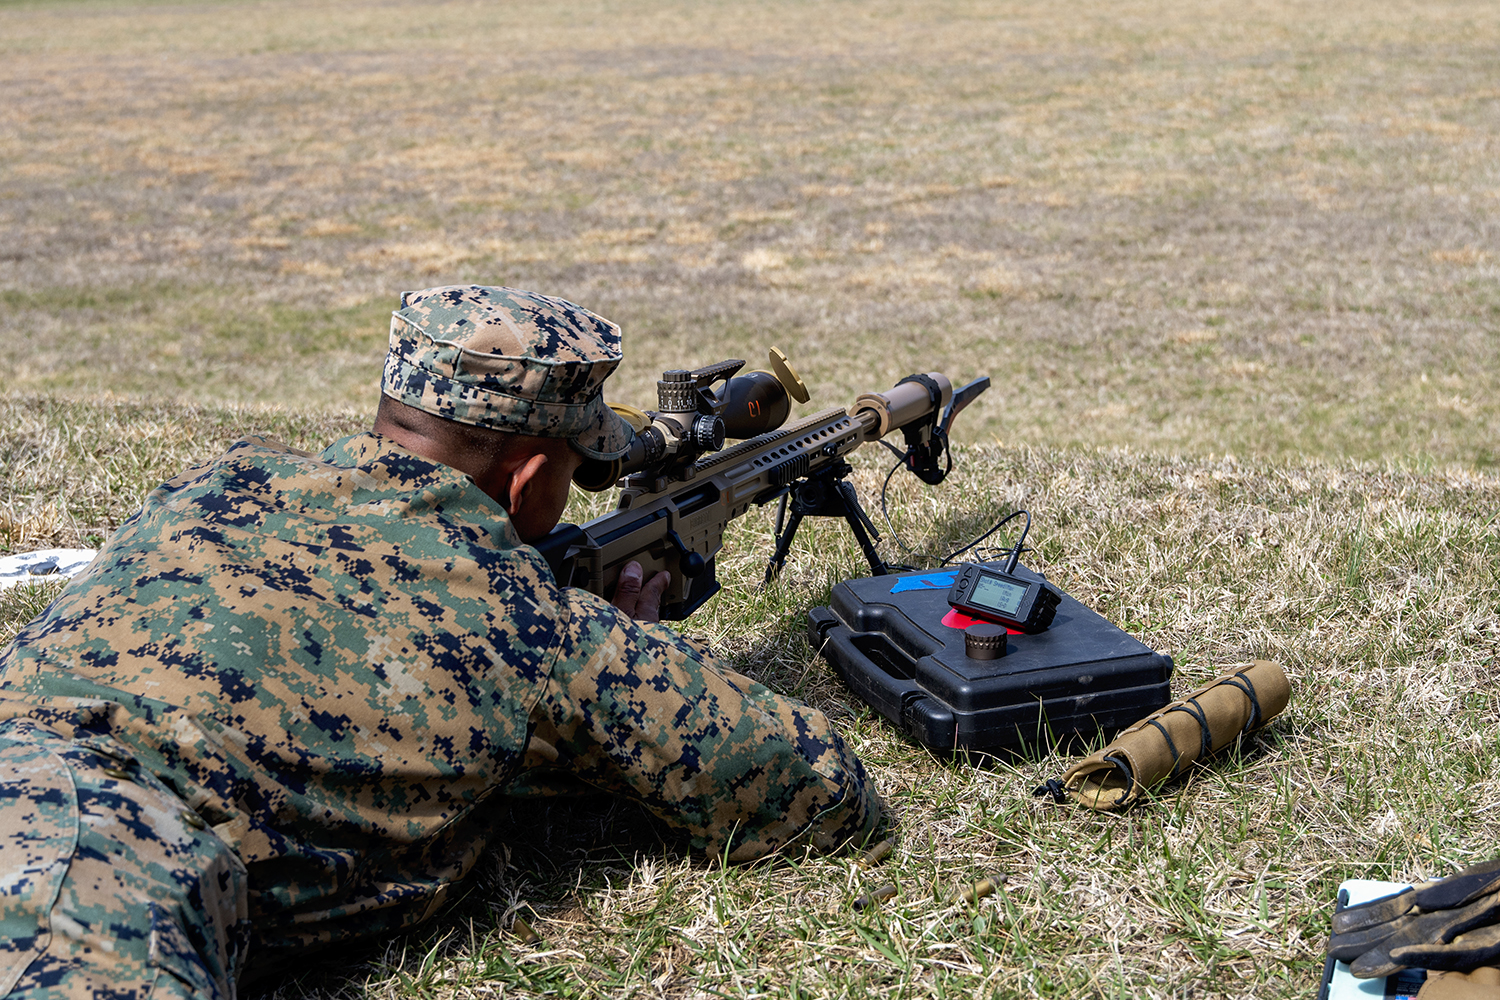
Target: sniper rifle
{"type": "Point", "coordinates": [680, 487]}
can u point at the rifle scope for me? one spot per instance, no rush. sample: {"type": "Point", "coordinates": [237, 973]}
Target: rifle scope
{"type": "Point", "coordinates": [692, 419]}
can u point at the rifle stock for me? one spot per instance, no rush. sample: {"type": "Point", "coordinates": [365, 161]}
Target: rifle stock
{"type": "Point", "coordinates": [676, 522]}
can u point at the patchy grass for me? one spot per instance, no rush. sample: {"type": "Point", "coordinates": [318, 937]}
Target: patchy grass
{"type": "Point", "coordinates": [1376, 587]}
{"type": "Point", "coordinates": [1270, 233]}
{"type": "Point", "coordinates": [71, 472]}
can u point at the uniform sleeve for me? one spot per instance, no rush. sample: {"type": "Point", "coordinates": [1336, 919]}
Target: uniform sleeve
{"type": "Point", "coordinates": [642, 712]}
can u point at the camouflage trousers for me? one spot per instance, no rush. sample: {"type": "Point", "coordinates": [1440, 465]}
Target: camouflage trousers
{"type": "Point", "coordinates": [109, 885]}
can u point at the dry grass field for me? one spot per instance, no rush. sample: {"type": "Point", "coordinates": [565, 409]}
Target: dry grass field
{"type": "Point", "coordinates": [1233, 267]}
{"type": "Point", "coordinates": [1196, 227]}
{"type": "Point", "coordinates": [1376, 588]}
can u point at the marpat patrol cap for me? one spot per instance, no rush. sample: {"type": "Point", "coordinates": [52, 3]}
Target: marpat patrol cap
{"type": "Point", "coordinates": [507, 360]}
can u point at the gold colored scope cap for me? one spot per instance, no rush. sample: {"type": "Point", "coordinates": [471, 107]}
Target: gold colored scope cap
{"type": "Point", "coordinates": [788, 377]}
{"type": "Point", "coordinates": [637, 419]}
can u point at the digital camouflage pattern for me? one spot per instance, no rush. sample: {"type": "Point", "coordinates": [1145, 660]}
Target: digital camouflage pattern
{"type": "Point", "coordinates": [124, 894]}
{"type": "Point", "coordinates": [507, 360]}
{"type": "Point", "coordinates": [640, 711]}
{"type": "Point", "coordinates": [38, 830]}
{"type": "Point", "coordinates": [335, 660]}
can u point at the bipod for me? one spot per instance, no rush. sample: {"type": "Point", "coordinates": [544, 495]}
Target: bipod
{"type": "Point", "coordinates": [825, 493]}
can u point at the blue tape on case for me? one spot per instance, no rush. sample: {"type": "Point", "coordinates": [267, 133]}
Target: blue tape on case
{"type": "Point", "coordinates": [929, 581]}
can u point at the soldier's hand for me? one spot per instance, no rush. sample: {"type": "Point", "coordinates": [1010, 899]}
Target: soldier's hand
{"type": "Point", "coordinates": [641, 602]}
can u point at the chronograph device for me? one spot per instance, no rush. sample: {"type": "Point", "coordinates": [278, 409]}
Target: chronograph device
{"type": "Point", "coordinates": [993, 595]}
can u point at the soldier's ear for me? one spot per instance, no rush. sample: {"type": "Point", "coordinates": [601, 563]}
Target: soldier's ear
{"type": "Point", "coordinates": [524, 480]}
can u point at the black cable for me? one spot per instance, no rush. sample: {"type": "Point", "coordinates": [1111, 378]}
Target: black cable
{"type": "Point", "coordinates": [886, 514]}
{"type": "Point", "coordinates": [1015, 552]}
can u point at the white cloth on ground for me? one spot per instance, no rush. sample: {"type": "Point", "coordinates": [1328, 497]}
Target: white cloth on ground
{"type": "Point", "coordinates": [43, 565]}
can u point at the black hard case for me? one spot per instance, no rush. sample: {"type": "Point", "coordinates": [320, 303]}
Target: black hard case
{"type": "Point", "coordinates": [1081, 679]}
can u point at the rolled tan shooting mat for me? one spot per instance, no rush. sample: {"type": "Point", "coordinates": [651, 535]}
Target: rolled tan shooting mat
{"type": "Point", "coordinates": [1163, 745]}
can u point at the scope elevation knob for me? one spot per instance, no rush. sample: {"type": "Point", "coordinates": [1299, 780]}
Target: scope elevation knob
{"type": "Point", "coordinates": [707, 433]}
{"type": "Point", "coordinates": [676, 392]}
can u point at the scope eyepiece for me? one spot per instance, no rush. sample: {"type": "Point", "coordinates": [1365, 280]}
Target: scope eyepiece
{"type": "Point", "coordinates": [647, 447]}
{"type": "Point", "coordinates": [596, 476]}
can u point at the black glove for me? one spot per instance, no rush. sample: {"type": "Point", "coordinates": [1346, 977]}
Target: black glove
{"type": "Point", "coordinates": [1448, 924]}
{"type": "Point", "coordinates": [1478, 947]}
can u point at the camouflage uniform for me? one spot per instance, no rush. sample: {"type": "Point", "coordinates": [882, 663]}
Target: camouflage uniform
{"type": "Point", "coordinates": [319, 669]}
{"type": "Point", "coordinates": [111, 885]}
